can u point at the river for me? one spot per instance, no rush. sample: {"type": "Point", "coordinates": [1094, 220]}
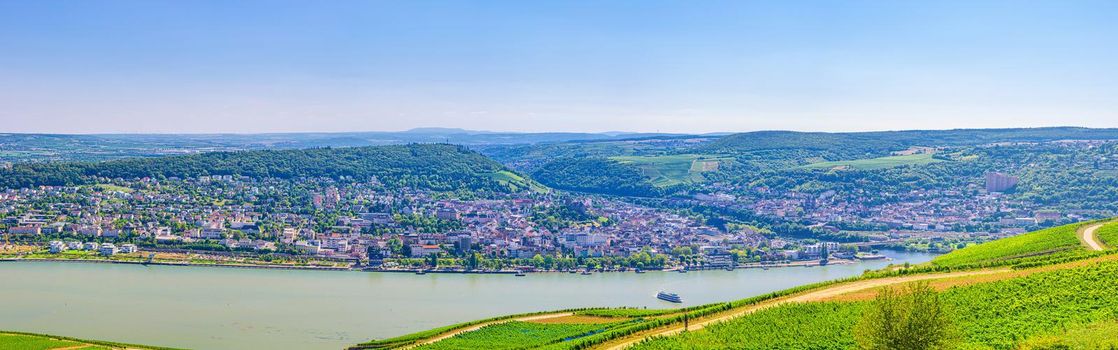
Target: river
{"type": "Point", "coordinates": [229, 308]}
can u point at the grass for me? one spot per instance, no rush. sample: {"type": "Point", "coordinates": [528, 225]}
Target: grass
{"type": "Point", "coordinates": [112, 188]}
{"type": "Point", "coordinates": [516, 335]}
{"type": "Point", "coordinates": [671, 170]}
{"type": "Point", "coordinates": [1056, 241]}
{"type": "Point", "coordinates": [875, 163]}
{"type": "Point", "coordinates": [32, 341]}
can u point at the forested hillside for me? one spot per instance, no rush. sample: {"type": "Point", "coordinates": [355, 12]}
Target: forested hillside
{"type": "Point", "coordinates": [427, 166]}
{"type": "Point", "coordinates": [595, 175]}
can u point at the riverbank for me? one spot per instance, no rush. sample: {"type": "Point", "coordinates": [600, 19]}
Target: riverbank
{"type": "Point", "coordinates": [806, 263]}
{"type": "Point", "coordinates": [174, 263]}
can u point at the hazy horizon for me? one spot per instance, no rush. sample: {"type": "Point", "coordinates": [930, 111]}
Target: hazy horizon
{"type": "Point", "coordinates": [127, 66]}
{"type": "Point", "coordinates": [725, 132]}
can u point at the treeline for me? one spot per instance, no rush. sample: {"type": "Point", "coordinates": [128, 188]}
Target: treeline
{"type": "Point", "coordinates": [425, 166]}
{"type": "Point", "coordinates": [596, 175]}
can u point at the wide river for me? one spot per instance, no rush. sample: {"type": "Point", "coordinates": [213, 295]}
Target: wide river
{"type": "Point", "coordinates": [228, 308]}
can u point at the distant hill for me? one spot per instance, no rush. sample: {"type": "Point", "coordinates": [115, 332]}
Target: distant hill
{"type": "Point", "coordinates": [426, 166]}
{"type": "Point", "coordinates": [54, 147]}
{"type": "Point", "coordinates": [882, 142]}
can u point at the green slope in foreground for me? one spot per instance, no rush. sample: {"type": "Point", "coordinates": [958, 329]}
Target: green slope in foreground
{"type": "Point", "coordinates": [31, 341]}
{"type": "Point", "coordinates": [1041, 290]}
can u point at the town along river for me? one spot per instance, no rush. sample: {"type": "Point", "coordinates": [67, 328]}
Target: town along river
{"type": "Point", "coordinates": [230, 308]}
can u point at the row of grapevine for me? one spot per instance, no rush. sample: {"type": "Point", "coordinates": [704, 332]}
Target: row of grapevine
{"type": "Point", "coordinates": [1007, 251]}
{"type": "Point", "coordinates": [515, 335]}
{"type": "Point", "coordinates": [997, 315]}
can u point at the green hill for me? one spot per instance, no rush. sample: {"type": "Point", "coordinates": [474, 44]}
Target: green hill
{"type": "Point", "coordinates": [1047, 243]}
{"type": "Point", "coordinates": [426, 166]}
{"type": "Point", "coordinates": [882, 142]}
{"type": "Point", "coordinates": [596, 175]}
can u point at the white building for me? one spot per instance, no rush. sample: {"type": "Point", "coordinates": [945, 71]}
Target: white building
{"type": "Point", "coordinates": [108, 249]}
{"type": "Point", "coordinates": [57, 247]}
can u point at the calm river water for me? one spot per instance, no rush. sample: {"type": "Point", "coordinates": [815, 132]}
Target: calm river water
{"type": "Point", "coordinates": [223, 308]}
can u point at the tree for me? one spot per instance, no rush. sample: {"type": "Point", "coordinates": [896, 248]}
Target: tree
{"type": "Point", "coordinates": [474, 261]}
{"type": "Point", "coordinates": [912, 318]}
{"type": "Point", "coordinates": [396, 246]}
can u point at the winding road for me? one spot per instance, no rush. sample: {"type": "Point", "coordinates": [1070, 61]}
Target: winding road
{"type": "Point", "coordinates": [1088, 237]}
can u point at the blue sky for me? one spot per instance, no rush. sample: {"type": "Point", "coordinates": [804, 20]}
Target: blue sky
{"type": "Point", "coordinates": [672, 66]}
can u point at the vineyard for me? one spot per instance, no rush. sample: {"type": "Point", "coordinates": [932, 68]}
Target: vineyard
{"type": "Point", "coordinates": [793, 326]}
{"type": "Point", "coordinates": [627, 312]}
{"type": "Point", "coordinates": [1100, 335]}
{"type": "Point", "coordinates": [1051, 243]}
{"type": "Point", "coordinates": [32, 341]}
{"type": "Point", "coordinates": [516, 335]}
{"type": "Point", "coordinates": [1108, 234]}
{"type": "Point", "coordinates": [997, 315]}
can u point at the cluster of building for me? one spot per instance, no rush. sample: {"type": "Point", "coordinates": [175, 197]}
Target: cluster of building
{"type": "Point", "coordinates": [973, 208]}
{"type": "Point", "coordinates": [107, 249]}
{"type": "Point", "coordinates": [322, 217]}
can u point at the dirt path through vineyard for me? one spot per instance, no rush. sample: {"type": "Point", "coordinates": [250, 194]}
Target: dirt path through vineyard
{"type": "Point", "coordinates": [1088, 237]}
{"type": "Point", "coordinates": [809, 296]}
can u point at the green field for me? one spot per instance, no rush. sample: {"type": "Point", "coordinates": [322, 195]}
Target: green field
{"type": "Point", "coordinates": [112, 188]}
{"type": "Point", "coordinates": [875, 163]}
{"type": "Point", "coordinates": [516, 335]}
{"type": "Point", "coordinates": [673, 170]}
{"type": "Point", "coordinates": [795, 326]}
{"type": "Point", "coordinates": [1048, 244]}
{"type": "Point", "coordinates": [30, 341]}
{"type": "Point", "coordinates": [510, 178]}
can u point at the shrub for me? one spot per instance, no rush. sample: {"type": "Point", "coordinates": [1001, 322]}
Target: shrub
{"type": "Point", "coordinates": [914, 318]}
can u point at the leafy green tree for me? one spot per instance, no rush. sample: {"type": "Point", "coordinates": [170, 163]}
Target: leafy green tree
{"type": "Point", "coordinates": [912, 318]}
